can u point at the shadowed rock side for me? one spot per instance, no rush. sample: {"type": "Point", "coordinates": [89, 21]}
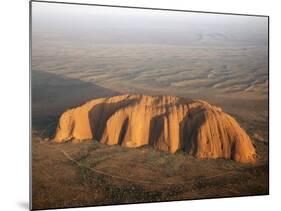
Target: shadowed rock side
{"type": "Point", "coordinates": [167, 123]}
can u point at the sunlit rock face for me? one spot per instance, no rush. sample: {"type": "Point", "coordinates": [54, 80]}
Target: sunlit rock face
{"type": "Point", "coordinates": [165, 122]}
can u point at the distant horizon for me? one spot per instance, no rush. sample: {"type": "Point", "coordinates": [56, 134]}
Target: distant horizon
{"type": "Point", "coordinates": [140, 25]}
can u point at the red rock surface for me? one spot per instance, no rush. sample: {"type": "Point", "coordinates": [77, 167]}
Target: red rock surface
{"type": "Point", "coordinates": [165, 122]}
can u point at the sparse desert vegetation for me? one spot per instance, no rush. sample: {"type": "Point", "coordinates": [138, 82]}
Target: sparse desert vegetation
{"type": "Point", "coordinates": [90, 173]}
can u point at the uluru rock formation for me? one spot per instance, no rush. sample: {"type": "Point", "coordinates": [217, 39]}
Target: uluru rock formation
{"type": "Point", "coordinates": [165, 122]}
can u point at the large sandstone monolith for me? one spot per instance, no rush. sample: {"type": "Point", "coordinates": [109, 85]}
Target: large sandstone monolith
{"type": "Point", "coordinates": [165, 122]}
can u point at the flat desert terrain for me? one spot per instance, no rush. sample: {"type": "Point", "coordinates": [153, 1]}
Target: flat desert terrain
{"type": "Point", "coordinates": [88, 174]}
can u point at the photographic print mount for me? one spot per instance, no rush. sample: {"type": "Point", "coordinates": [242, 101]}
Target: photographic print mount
{"type": "Point", "coordinates": [166, 104]}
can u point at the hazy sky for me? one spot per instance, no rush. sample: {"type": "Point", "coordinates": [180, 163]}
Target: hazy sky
{"type": "Point", "coordinates": [125, 25]}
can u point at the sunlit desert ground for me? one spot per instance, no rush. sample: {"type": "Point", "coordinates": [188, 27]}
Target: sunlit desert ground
{"type": "Point", "coordinates": [65, 175]}
{"type": "Point", "coordinates": [207, 72]}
